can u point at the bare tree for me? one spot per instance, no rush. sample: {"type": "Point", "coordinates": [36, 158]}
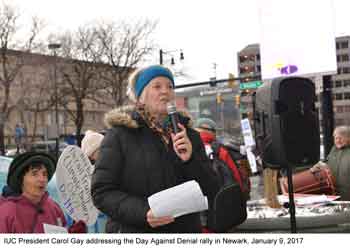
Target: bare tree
{"type": "Point", "coordinates": [37, 98]}
{"type": "Point", "coordinates": [124, 46]}
{"type": "Point", "coordinates": [78, 71]}
{"type": "Point", "coordinates": [96, 61]}
{"type": "Point", "coordinates": [11, 62]}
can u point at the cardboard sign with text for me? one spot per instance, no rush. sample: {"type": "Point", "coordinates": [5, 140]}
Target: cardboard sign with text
{"type": "Point", "coordinates": [73, 177]}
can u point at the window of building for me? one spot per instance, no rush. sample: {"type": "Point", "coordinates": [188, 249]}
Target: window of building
{"type": "Point", "coordinates": [344, 45]}
{"type": "Point", "coordinates": [338, 84]}
{"type": "Point", "coordinates": [346, 82]}
{"type": "Point", "coordinates": [345, 57]}
{"type": "Point", "coordinates": [339, 70]}
{"type": "Point", "coordinates": [338, 58]}
{"type": "Point", "coordinates": [338, 96]}
{"type": "Point", "coordinates": [339, 109]}
{"type": "Point", "coordinates": [346, 108]}
{"type": "Point", "coordinates": [337, 45]}
{"type": "Point", "coordinates": [258, 68]}
{"type": "Point", "coordinates": [347, 95]}
{"type": "Point", "coordinates": [346, 69]}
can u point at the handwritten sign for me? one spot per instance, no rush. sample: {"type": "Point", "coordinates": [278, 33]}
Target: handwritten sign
{"type": "Point", "coordinates": [73, 176]}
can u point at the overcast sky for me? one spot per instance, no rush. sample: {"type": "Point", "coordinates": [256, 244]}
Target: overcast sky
{"type": "Point", "coordinates": [207, 31]}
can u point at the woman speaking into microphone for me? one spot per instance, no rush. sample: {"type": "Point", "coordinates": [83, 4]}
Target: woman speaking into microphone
{"type": "Point", "coordinates": [142, 155]}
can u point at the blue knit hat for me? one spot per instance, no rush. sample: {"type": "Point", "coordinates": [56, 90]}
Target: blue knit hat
{"type": "Point", "coordinates": [149, 73]}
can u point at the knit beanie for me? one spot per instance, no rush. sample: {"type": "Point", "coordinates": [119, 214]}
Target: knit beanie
{"type": "Point", "coordinates": [91, 142]}
{"type": "Point", "coordinates": [205, 123]}
{"type": "Point", "coordinates": [149, 73]}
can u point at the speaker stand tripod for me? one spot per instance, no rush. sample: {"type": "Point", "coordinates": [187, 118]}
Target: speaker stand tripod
{"type": "Point", "coordinates": [293, 223]}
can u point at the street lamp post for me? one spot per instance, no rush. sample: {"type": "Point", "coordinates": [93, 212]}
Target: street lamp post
{"type": "Point", "coordinates": [54, 47]}
{"type": "Point", "coordinates": [162, 53]}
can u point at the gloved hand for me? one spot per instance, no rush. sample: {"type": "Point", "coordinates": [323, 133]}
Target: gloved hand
{"type": "Point", "coordinates": [78, 227]}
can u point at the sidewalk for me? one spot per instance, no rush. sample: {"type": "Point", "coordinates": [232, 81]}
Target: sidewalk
{"type": "Point", "coordinates": [257, 187]}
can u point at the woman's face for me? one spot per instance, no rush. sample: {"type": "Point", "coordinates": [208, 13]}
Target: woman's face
{"type": "Point", "coordinates": [340, 141]}
{"type": "Point", "coordinates": [35, 183]}
{"type": "Point", "coordinates": [157, 94]}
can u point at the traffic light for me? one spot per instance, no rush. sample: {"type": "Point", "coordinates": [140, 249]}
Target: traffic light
{"type": "Point", "coordinates": [231, 81]}
{"type": "Point", "coordinates": [238, 99]}
{"type": "Point", "coordinates": [212, 82]}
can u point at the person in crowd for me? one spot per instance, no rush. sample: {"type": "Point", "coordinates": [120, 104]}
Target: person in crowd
{"type": "Point", "coordinates": [90, 145]}
{"type": "Point", "coordinates": [19, 134]}
{"type": "Point", "coordinates": [339, 161]}
{"type": "Point", "coordinates": [26, 205]}
{"type": "Point", "coordinates": [141, 155]}
{"type": "Point", "coordinates": [207, 130]}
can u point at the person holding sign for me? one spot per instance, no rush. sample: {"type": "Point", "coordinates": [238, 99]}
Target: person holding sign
{"type": "Point", "coordinates": [29, 205]}
{"type": "Point", "coordinates": [141, 155]}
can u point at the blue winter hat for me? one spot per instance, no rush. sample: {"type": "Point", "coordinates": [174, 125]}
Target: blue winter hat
{"type": "Point", "coordinates": [150, 73]}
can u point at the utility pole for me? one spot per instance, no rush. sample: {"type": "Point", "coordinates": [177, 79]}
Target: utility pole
{"type": "Point", "coordinates": [54, 47]}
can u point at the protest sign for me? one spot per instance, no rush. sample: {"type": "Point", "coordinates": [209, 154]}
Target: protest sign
{"type": "Point", "coordinates": [73, 177]}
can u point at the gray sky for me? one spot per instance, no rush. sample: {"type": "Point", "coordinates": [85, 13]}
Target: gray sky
{"type": "Point", "coordinates": [207, 31]}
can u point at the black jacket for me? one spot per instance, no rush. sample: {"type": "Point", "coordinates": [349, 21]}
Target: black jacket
{"type": "Point", "coordinates": [133, 164]}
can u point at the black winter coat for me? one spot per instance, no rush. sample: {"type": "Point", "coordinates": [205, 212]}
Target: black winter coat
{"type": "Point", "coordinates": [133, 164]}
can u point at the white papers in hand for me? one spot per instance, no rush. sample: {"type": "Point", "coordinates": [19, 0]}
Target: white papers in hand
{"type": "Point", "coordinates": [183, 199]}
{"type": "Point", "coordinates": [53, 229]}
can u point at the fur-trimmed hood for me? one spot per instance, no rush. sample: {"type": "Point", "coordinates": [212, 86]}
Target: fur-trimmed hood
{"type": "Point", "coordinates": [125, 116]}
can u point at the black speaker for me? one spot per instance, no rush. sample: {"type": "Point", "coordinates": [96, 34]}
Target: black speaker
{"type": "Point", "coordinates": [286, 123]}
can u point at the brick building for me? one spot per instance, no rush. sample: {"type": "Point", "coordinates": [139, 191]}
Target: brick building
{"type": "Point", "coordinates": [31, 90]}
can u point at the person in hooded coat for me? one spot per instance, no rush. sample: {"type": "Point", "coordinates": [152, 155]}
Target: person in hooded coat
{"type": "Point", "coordinates": [25, 205]}
{"type": "Point", "coordinates": [140, 155]}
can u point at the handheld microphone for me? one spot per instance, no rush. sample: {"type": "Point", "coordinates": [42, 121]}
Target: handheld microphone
{"type": "Point", "coordinates": [171, 108]}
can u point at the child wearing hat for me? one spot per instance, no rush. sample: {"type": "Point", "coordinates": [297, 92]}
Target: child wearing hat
{"type": "Point", "coordinates": [29, 206]}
